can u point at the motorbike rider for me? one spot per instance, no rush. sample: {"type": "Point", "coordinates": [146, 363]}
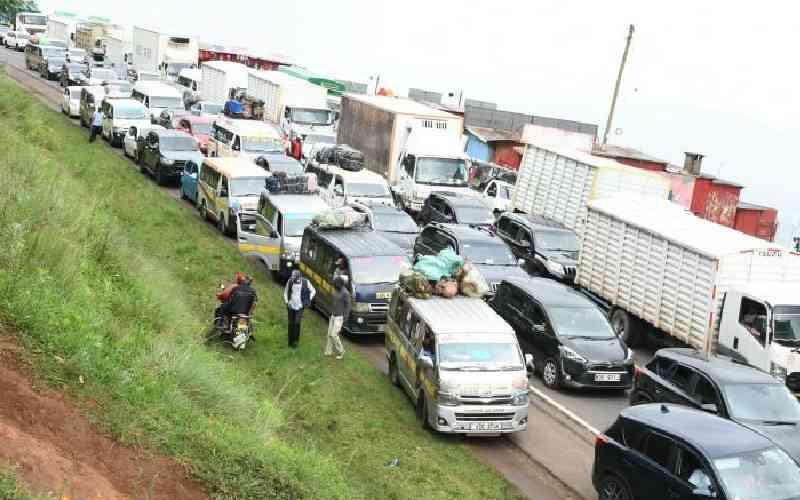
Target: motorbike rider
{"type": "Point", "coordinates": [236, 298]}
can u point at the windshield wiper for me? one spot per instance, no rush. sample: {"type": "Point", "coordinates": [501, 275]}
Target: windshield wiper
{"type": "Point", "coordinates": [778, 422]}
{"type": "Point", "coordinates": [587, 337]}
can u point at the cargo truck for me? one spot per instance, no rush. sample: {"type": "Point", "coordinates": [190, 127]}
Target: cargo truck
{"type": "Point", "coordinates": [299, 107]}
{"type": "Point", "coordinates": [64, 30]}
{"type": "Point", "coordinates": [418, 149]}
{"type": "Point", "coordinates": [169, 54]}
{"type": "Point", "coordinates": [119, 55]}
{"type": "Point", "coordinates": [30, 22]}
{"type": "Point", "coordinates": [219, 78]}
{"type": "Point", "coordinates": [662, 271]}
{"type": "Point", "coordinates": [557, 183]}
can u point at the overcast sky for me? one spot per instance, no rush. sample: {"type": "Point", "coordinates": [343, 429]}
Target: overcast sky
{"type": "Point", "coordinates": [716, 77]}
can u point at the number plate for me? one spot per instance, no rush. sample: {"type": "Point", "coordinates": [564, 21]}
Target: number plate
{"type": "Point", "coordinates": [607, 377]}
{"type": "Point", "coordinates": [383, 295]}
{"type": "Point", "coordinates": [380, 328]}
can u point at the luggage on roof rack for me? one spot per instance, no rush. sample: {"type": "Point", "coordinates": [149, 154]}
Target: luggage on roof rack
{"type": "Point", "coordinates": [281, 183]}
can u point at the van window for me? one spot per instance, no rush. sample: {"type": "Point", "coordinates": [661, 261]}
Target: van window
{"type": "Point", "coordinates": [326, 260]}
{"type": "Point", "coordinates": [268, 210]}
{"type": "Point", "coordinates": [659, 449]}
{"type": "Point", "coordinates": [223, 190]}
{"type": "Point", "coordinates": [753, 317]}
{"type": "Point", "coordinates": [221, 134]}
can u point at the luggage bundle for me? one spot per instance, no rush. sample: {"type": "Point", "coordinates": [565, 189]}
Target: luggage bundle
{"type": "Point", "coordinates": [340, 218]}
{"type": "Point", "coordinates": [281, 183]}
{"type": "Point", "coordinates": [342, 156]}
{"type": "Point", "coordinates": [446, 275]}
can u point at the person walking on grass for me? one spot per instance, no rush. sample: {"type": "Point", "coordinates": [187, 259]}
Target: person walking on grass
{"type": "Point", "coordinates": [97, 124]}
{"type": "Point", "coordinates": [339, 311]}
{"type": "Point", "coordinates": [297, 295]}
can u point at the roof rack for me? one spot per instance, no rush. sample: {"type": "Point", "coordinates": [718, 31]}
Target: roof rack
{"type": "Point", "coordinates": [280, 183]}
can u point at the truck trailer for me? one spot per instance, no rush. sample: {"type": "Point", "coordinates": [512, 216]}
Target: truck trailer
{"type": "Point", "coordinates": [663, 271]}
{"type": "Point", "coordinates": [219, 78]}
{"type": "Point", "coordinates": [61, 29]}
{"type": "Point", "coordinates": [166, 53]}
{"type": "Point", "coordinates": [418, 149]}
{"type": "Point", "coordinates": [119, 54]}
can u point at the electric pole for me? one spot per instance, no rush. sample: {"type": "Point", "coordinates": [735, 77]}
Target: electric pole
{"type": "Point", "coordinates": [616, 86]}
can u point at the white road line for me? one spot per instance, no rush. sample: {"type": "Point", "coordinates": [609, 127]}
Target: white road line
{"type": "Point", "coordinates": [564, 410]}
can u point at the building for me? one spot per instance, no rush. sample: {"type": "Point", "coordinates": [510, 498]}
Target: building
{"type": "Point", "coordinates": [502, 147]}
{"type": "Point", "coordinates": [757, 220]}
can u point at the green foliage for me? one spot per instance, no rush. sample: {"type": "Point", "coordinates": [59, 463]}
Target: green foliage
{"type": "Point", "coordinates": [9, 8]}
{"type": "Point", "coordinates": [110, 274]}
{"type": "Point", "coordinates": [10, 487]}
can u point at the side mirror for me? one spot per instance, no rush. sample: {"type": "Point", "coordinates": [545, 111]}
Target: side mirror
{"type": "Point", "coordinates": [425, 361]}
{"type": "Point", "coordinates": [529, 361]}
{"type": "Point", "coordinates": [521, 262]}
{"type": "Point", "coordinates": [709, 408]}
{"type": "Point", "coordinates": [538, 328]}
{"type": "Point", "coordinates": [273, 233]}
{"type": "Point", "coordinates": [703, 493]}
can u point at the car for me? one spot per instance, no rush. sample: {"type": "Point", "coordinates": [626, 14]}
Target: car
{"type": "Point", "coordinates": [570, 339]}
{"type": "Point", "coordinates": [666, 452]}
{"type": "Point", "coordinates": [169, 118]}
{"type": "Point", "coordinates": [392, 222]}
{"type": "Point", "coordinates": [456, 209]}
{"type": "Point", "coordinates": [724, 386]}
{"type": "Point", "coordinates": [74, 74]}
{"type": "Point", "coordinates": [164, 152]}
{"type": "Point", "coordinates": [132, 143]}
{"type": "Point", "coordinates": [118, 88]}
{"type": "Point", "coordinates": [18, 40]}
{"type": "Point", "coordinates": [274, 162]}
{"type": "Point", "coordinates": [496, 194]}
{"type": "Point", "coordinates": [3, 30]}
{"type": "Point", "coordinates": [51, 67]}
{"type": "Point", "coordinates": [547, 247]}
{"type": "Point", "coordinates": [205, 108]}
{"type": "Point", "coordinates": [71, 103]}
{"type": "Point", "coordinates": [99, 75]}
{"type": "Point", "coordinates": [198, 127]}
{"type": "Point", "coordinates": [486, 251]}
{"type": "Point", "coordinates": [191, 171]}
{"type": "Point", "coordinates": [76, 55]}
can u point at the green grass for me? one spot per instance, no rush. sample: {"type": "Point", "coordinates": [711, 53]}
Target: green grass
{"type": "Point", "coordinates": [12, 489]}
{"type": "Point", "coordinates": [107, 272]}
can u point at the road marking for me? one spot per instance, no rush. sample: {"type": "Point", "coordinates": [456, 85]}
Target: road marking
{"type": "Point", "coordinates": [563, 409]}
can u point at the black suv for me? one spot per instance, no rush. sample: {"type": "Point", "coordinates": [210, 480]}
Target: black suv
{"type": "Point", "coordinates": [488, 252]}
{"type": "Point", "coordinates": [724, 386]}
{"type": "Point", "coordinates": [51, 67]}
{"type": "Point", "coordinates": [458, 209]}
{"type": "Point", "coordinates": [667, 452]}
{"type": "Point", "coordinates": [393, 223]}
{"type": "Point", "coordinates": [548, 248]}
{"type": "Point", "coordinates": [73, 74]}
{"type": "Point", "coordinates": [570, 339]}
{"type": "Point", "coordinates": [162, 153]}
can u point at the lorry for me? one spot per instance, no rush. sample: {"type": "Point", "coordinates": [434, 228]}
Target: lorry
{"type": "Point", "coordinates": [119, 54]}
{"type": "Point", "coordinates": [219, 78]}
{"type": "Point", "coordinates": [418, 149]}
{"type": "Point", "coordinates": [61, 29]}
{"type": "Point", "coordinates": [89, 36]}
{"type": "Point", "coordinates": [301, 108]}
{"type": "Point", "coordinates": [664, 272]}
{"type": "Point", "coordinates": [558, 183]}
{"type": "Point", "coordinates": [167, 53]}
{"type": "Point", "coordinates": [30, 22]}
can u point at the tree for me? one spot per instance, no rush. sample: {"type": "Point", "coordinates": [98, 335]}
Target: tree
{"type": "Point", "coordinates": [9, 9]}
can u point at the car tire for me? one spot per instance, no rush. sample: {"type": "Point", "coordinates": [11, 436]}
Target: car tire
{"type": "Point", "coordinates": [551, 374]}
{"type": "Point", "coordinates": [613, 488]}
{"type": "Point", "coordinates": [183, 195]}
{"type": "Point", "coordinates": [627, 327]}
{"type": "Point", "coordinates": [202, 208]}
{"type": "Point", "coordinates": [394, 374]}
{"type": "Point", "coordinates": [222, 226]}
{"type": "Point", "coordinates": [422, 411]}
{"type": "Point", "coordinates": [161, 179]}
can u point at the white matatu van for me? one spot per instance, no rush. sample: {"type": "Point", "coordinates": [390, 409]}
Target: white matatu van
{"type": "Point", "coordinates": [157, 97]}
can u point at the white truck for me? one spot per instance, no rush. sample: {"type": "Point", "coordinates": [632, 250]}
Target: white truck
{"type": "Point", "coordinates": [155, 51]}
{"type": "Point", "coordinates": [663, 271]}
{"type": "Point", "coordinates": [61, 29]}
{"type": "Point", "coordinates": [119, 53]}
{"type": "Point", "coordinates": [558, 183]}
{"type": "Point", "coordinates": [299, 107]}
{"type": "Point", "coordinates": [418, 149]}
{"type": "Point", "coordinates": [218, 78]}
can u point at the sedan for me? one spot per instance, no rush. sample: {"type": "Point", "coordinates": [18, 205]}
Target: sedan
{"type": "Point", "coordinates": [71, 103]}
{"type": "Point", "coordinates": [51, 68]}
{"type": "Point", "coordinates": [198, 127]}
{"type": "Point", "coordinates": [74, 74]}
{"type": "Point", "coordinates": [169, 118]}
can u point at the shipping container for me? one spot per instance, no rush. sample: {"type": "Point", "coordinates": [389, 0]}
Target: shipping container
{"type": "Point", "coordinates": [757, 220]}
{"type": "Point", "coordinates": [155, 51]}
{"type": "Point", "coordinates": [61, 29]}
{"type": "Point", "coordinates": [558, 183]}
{"type": "Point", "coordinates": [118, 53]}
{"type": "Point", "coordinates": [715, 200]}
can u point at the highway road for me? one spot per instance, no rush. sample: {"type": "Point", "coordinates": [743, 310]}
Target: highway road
{"type": "Point", "coordinates": [552, 459]}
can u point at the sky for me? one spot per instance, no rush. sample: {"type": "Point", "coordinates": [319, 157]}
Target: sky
{"type": "Point", "coordinates": [715, 77]}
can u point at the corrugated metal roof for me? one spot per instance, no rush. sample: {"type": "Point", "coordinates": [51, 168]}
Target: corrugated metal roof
{"type": "Point", "coordinates": [494, 134]}
{"type": "Point", "coordinates": [752, 206]}
{"type": "Point", "coordinates": [460, 315]}
{"type": "Point", "coordinates": [675, 223]}
{"type": "Point", "coordinates": [581, 156]}
{"type": "Point", "coordinates": [612, 151]}
{"type": "Point", "coordinates": [359, 242]}
{"type": "Point", "coordinates": [400, 105]}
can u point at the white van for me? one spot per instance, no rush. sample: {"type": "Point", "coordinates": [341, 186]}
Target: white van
{"type": "Point", "coordinates": [338, 186]}
{"type": "Point", "coordinates": [157, 97]}
{"type": "Point", "coordinates": [188, 83]}
{"type": "Point", "coordinates": [245, 138]}
{"type": "Point", "coordinates": [227, 188]}
{"type": "Point", "coordinates": [119, 115]}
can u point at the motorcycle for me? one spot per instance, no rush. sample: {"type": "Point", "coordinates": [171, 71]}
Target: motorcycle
{"type": "Point", "coordinates": [236, 330]}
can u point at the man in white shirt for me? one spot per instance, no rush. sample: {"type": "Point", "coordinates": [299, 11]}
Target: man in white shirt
{"type": "Point", "coordinates": [97, 124]}
{"type": "Point", "coordinates": [297, 295]}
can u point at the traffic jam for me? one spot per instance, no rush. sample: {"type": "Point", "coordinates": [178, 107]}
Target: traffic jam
{"type": "Point", "coordinates": [571, 277]}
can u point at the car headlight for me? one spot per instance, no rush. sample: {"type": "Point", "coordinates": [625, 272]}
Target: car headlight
{"type": "Point", "coordinates": [447, 399]}
{"type": "Point", "coordinates": [167, 161]}
{"type": "Point", "coordinates": [361, 307]}
{"type": "Point", "coordinates": [629, 357]}
{"type": "Point", "coordinates": [290, 256]}
{"type": "Point", "coordinates": [520, 399]}
{"type": "Point", "coordinates": [777, 371]}
{"type": "Point", "coordinates": [570, 354]}
{"type": "Point", "coordinates": [556, 268]}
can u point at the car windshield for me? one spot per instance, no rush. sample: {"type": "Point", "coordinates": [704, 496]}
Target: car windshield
{"type": "Point", "coordinates": [23, 36]}
{"type": "Point", "coordinates": [757, 475]}
{"type": "Point", "coordinates": [290, 167]}
{"type": "Point", "coordinates": [367, 189]}
{"type": "Point", "coordinates": [479, 356]}
{"type": "Point", "coordinates": [201, 128]}
{"type": "Point", "coordinates": [505, 192]}
{"type": "Point", "coordinates": [306, 116]}
{"type": "Point", "coordinates": [212, 109]}
{"type": "Point", "coordinates": [564, 241]}
{"type": "Point", "coordinates": [377, 269]}
{"type": "Point", "coordinates": [262, 145]}
{"type": "Point", "coordinates": [247, 186]}
{"type": "Point", "coordinates": [441, 172]}
{"type": "Point", "coordinates": [132, 113]}
{"type": "Point", "coordinates": [394, 222]}
{"type": "Point", "coordinates": [77, 53]}
{"type": "Point", "coordinates": [473, 215]}
{"type": "Point", "coordinates": [31, 19]}
{"type": "Point", "coordinates": [166, 102]}
{"type": "Point", "coordinates": [75, 67]}
{"type": "Point", "coordinates": [320, 139]}
{"type": "Point", "coordinates": [580, 322]}
{"type": "Point", "coordinates": [488, 254]}
{"type": "Point", "coordinates": [53, 52]}
{"type": "Point", "coordinates": [761, 402]}
{"type": "Point", "coordinates": [787, 323]}
{"type": "Point", "coordinates": [120, 86]}
{"type": "Point", "coordinates": [178, 143]}
{"type": "Point", "coordinates": [55, 62]}
{"type": "Point", "coordinates": [103, 74]}
{"type": "Point", "coordinates": [295, 224]}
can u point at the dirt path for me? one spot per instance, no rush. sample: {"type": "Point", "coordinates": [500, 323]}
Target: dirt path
{"type": "Point", "coordinates": [59, 452]}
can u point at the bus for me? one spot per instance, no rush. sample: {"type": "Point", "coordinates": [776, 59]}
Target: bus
{"type": "Point", "coordinates": [32, 22]}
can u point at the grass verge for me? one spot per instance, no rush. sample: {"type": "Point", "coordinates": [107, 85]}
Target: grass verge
{"type": "Point", "coordinates": [109, 274]}
{"type": "Point", "coordinates": [12, 489]}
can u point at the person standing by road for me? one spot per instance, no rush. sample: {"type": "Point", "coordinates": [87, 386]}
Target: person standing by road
{"type": "Point", "coordinates": [297, 295]}
{"type": "Point", "coordinates": [97, 124]}
{"type": "Point", "coordinates": [339, 311]}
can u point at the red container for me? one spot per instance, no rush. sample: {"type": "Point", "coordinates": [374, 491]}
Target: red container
{"type": "Point", "coordinates": [756, 220]}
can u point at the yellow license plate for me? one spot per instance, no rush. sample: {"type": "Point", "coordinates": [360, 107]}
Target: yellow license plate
{"type": "Point", "coordinates": [383, 295]}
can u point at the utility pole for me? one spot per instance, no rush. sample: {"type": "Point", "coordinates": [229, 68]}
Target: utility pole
{"type": "Point", "coordinates": [616, 86]}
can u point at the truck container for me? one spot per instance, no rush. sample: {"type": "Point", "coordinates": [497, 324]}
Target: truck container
{"type": "Point", "coordinates": [558, 183]}
{"type": "Point", "coordinates": [662, 270]}
{"type": "Point", "coordinates": [218, 78]}
{"type": "Point", "coordinates": [402, 133]}
{"type": "Point", "coordinates": [89, 37]}
{"type": "Point", "coordinates": [58, 29]}
{"type": "Point", "coordinates": [119, 54]}
{"type": "Point", "coordinates": [168, 53]}
{"type": "Point", "coordinates": [757, 220]}
{"type": "Point", "coordinates": [261, 88]}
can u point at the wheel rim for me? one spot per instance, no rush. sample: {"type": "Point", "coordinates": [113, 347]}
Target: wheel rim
{"type": "Point", "coordinates": [613, 490]}
{"type": "Point", "coordinates": [549, 373]}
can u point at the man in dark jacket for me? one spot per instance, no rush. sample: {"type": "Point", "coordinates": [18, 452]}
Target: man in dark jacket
{"type": "Point", "coordinates": [340, 309]}
{"type": "Point", "coordinates": [297, 295]}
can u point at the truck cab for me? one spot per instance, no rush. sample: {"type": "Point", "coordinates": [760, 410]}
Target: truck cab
{"type": "Point", "coordinates": [430, 161]}
{"type": "Point", "coordinates": [762, 326]}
